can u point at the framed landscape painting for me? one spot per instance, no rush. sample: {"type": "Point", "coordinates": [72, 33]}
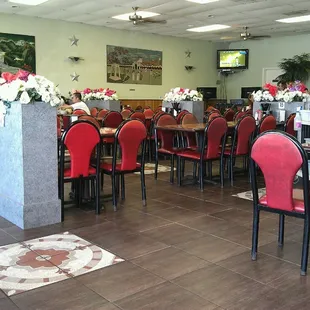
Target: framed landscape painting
{"type": "Point", "coordinates": [17, 52]}
{"type": "Point", "coordinates": [134, 66]}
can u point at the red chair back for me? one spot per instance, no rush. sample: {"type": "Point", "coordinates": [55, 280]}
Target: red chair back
{"type": "Point", "coordinates": [125, 113]}
{"type": "Point", "coordinates": [229, 115]}
{"type": "Point", "coordinates": [159, 108]}
{"type": "Point", "coordinates": [244, 131]}
{"type": "Point", "coordinates": [289, 125]}
{"type": "Point", "coordinates": [148, 113]}
{"type": "Point", "coordinates": [166, 136]}
{"type": "Point", "coordinates": [189, 118]}
{"type": "Point", "coordinates": [129, 136]}
{"type": "Point", "coordinates": [112, 119]}
{"type": "Point", "coordinates": [93, 112]}
{"type": "Point", "coordinates": [90, 119]}
{"type": "Point", "coordinates": [213, 114]}
{"type": "Point", "coordinates": [180, 116]}
{"type": "Point", "coordinates": [138, 115]}
{"type": "Point", "coordinates": [79, 112]}
{"type": "Point", "coordinates": [139, 108]}
{"type": "Point", "coordinates": [279, 156]}
{"type": "Point", "coordinates": [215, 133]}
{"type": "Point", "coordinates": [239, 115]}
{"type": "Point", "coordinates": [267, 123]}
{"type": "Point", "coordinates": [102, 113]}
{"type": "Point", "coordinates": [65, 122]}
{"type": "Point", "coordinates": [249, 112]}
{"type": "Point", "coordinates": [80, 139]}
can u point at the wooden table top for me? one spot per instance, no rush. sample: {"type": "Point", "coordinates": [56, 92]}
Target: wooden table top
{"type": "Point", "coordinates": [190, 127]}
{"type": "Point", "coordinates": [107, 132]}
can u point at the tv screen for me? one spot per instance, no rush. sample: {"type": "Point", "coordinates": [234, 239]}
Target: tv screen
{"type": "Point", "coordinates": [232, 59]}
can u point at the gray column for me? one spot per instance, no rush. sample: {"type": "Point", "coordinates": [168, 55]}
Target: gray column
{"type": "Point", "coordinates": [28, 165]}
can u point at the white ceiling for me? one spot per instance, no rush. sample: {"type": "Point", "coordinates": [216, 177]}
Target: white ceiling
{"type": "Point", "coordinates": [258, 15]}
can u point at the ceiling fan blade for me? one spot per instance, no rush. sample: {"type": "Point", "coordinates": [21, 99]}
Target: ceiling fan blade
{"type": "Point", "coordinates": [259, 37]}
{"type": "Point", "coordinates": [154, 21]}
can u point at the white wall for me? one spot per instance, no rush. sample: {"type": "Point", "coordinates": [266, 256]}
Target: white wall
{"type": "Point", "coordinates": [53, 48]}
{"type": "Point", "coordinates": [263, 54]}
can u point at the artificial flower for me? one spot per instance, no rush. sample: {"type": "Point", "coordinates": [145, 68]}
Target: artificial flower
{"type": "Point", "coordinates": [24, 98]}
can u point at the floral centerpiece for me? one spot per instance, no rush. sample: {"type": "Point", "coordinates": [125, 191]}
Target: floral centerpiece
{"type": "Point", "coordinates": [99, 94]}
{"type": "Point", "coordinates": [182, 94]}
{"type": "Point", "coordinates": [26, 87]}
{"type": "Point", "coordinates": [295, 91]}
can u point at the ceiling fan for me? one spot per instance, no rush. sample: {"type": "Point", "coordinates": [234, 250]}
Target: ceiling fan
{"type": "Point", "coordinates": [247, 36]}
{"type": "Point", "coordinates": [138, 19]}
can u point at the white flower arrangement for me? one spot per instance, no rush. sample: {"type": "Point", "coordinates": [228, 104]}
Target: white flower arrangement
{"type": "Point", "coordinates": [26, 88]}
{"type": "Point", "coordinates": [182, 94]}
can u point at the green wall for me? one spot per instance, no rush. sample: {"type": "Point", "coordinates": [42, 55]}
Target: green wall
{"type": "Point", "coordinates": [264, 54]}
{"type": "Point", "coordinates": [53, 48]}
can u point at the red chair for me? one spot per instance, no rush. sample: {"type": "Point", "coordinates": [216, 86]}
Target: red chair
{"type": "Point", "coordinates": [79, 112]}
{"type": "Point", "coordinates": [242, 137]}
{"type": "Point", "coordinates": [138, 115]}
{"type": "Point", "coordinates": [159, 108]}
{"type": "Point", "coordinates": [208, 117]}
{"type": "Point", "coordinates": [279, 156]}
{"type": "Point", "coordinates": [102, 113]}
{"type": "Point", "coordinates": [249, 112]}
{"type": "Point", "coordinates": [190, 137]}
{"type": "Point", "coordinates": [112, 119]}
{"type": "Point", "coordinates": [229, 115]}
{"type": "Point", "coordinates": [166, 140]}
{"type": "Point", "coordinates": [238, 116]}
{"type": "Point", "coordinates": [148, 113]}
{"type": "Point", "coordinates": [65, 122]}
{"type": "Point", "coordinates": [139, 108]}
{"type": "Point", "coordinates": [90, 119]}
{"type": "Point", "coordinates": [81, 139]}
{"type": "Point", "coordinates": [268, 122]}
{"type": "Point", "coordinates": [289, 125]}
{"type": "Point", "coordinates": [128, 138]}
{"type": "Point", "coordinates": [212, 148]}
{"type": "Point", "coordinates": [94, 112]}
{"type": "Point", "coordinates": [180, 115]}
{"type": "Point", "coordinates": [125, 113]}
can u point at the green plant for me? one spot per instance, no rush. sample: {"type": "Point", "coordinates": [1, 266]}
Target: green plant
{"type": "Point", "coordinates": [295, 69]}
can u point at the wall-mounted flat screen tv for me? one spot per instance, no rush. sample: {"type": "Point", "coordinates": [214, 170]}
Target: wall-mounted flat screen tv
{"type": "Point", "coordinates": [232, 59]}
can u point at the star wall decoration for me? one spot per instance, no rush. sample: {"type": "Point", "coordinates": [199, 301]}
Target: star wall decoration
{"type": "Point", "coordinates": [74, 41]}
{"type": "Point", "coordinates": [75, 77]}
{"type": "Point", "coordinates": [188, 53]}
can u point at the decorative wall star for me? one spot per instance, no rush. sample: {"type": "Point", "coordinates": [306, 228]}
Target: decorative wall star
{"type": "Point", "coordinates": [74, 40]}
{"type": "Point", "coordinates": [188, 53]}
{"type": "Point", "coordinates": [75, 77]}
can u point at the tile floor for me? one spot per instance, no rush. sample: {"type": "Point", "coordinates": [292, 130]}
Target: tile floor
{"type": "Point", "coordinates": [186, 250]}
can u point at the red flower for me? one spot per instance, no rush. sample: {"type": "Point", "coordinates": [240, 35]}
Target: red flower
{"type": "Point", "coordinates": [9, 77]}
{"type": "Point", "coordinates": [22, 75]}
{"type": "Point", "coordinates": [273, 89]}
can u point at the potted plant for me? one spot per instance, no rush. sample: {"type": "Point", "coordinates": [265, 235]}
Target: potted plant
{"type": "Point", "coordinates": [295, 69]}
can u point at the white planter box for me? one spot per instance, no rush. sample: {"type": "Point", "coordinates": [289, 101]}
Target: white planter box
{"type": "Point", "coordinates": [29, 172]}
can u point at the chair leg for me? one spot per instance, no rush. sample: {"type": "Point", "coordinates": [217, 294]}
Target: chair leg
{"type": "Point", "coordinates": [172, 169]}
{"type": "Point", "coordinates": [97, 195]}
{"type": "Point", "coordinates": [201, 176]}
{"type": "Point", "coordinates": [123, 186]}
{"type": "Point", "coordinates": [231, 169]}
{"type": "Point", "coordinates": [255, 233]}
{"type": "Point", "coordinates": [143, 189]}
{"type": "Point", "coordinates": [150, 150]}
{"type": "Point", "coordinates": [281, 230]}
{"type": "Point", "coordinates": [305, 248]}
{"type": "Point", "coordinates": [156, 165]}
{"type": "Point", "coordinates": [62, 197]}
{"type": "Point", "coordinates": [222, 167]}
{"type": "Point", "coordinates": [179, 175]}
{"type": "Point", "coordinates": [114, 194]}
